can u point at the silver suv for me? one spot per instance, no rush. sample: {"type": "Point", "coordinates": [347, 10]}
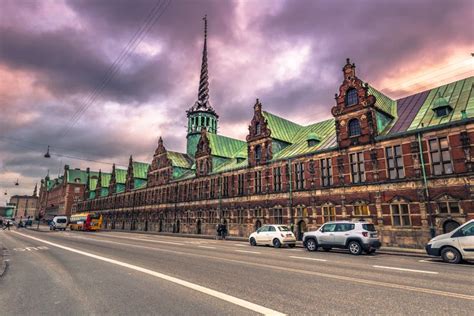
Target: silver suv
{"type": "Point", "coordinates": [355, 236]}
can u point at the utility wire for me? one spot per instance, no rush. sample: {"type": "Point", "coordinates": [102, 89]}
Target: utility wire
{"type": "Point", "coordinates": [155, 14]}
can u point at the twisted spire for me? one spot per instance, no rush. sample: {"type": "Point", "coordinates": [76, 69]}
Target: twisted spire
{"type": "Point", "coordinates": [203, 95]}
{"type": "Point", "coordinates": [202, 103]}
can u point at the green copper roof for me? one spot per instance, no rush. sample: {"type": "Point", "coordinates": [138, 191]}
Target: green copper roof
{"type": "Point", "coordinates": [383, 102]}
{"type": "Point", "coordinates": [282, 129]}
{"type": "Point", "coordinates": [460, 96]}
{"type": "Point", "coordinates": [120, 175]}
{"type": "Point", "coordinates": [440, 102]}
{"type": "Point", "coordinates": [227, 147]}
{"type": "Point", "coordinates": [105, 180]}
{"type": "Point", "coordinates": [140, 169]}
{"type": "Point", "coordinates": [92, 184]}
{"type": "Point", "coordinates": [179, 159]}
{"type": "Point", "coordinates": [230, 165]}
{"type": "Point", "coordinates": [325, 130]}
{"type": "Point", "coordinates": [313, 136]}
{"type": "Point", "coordinates": [76, 176]}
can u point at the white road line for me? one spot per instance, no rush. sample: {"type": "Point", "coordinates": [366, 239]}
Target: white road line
{"type": "Point", "coordinates": [193, 286]}
{"type": "Point", "coordinates": [407, 270]}
{"type": "Point", "coordinates": [207, 247]}
{"type": "Point", "coordinates": [147, 240]}
{"type": "Point", "coordinates": [246, 251]}
{"type": "Point", "coordinates": [306, 258]}
{"type": "Point", "coordinates": [240, 245]}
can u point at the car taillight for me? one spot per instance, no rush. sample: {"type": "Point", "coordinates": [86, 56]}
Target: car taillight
{"type": "Point", "coordinates": [365, 234]}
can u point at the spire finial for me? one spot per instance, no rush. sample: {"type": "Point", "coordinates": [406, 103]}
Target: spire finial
{"type": "Point", "coordinates": [203, 94]}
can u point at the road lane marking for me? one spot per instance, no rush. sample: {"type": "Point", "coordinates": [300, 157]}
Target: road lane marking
{"type": "Point", "coordinates": [147, 240]}
{"type": "Point", "coordinates": [207, 247]}
{"type": "Point", "coordinates": [306, 258]}
{"type": "Point", "coordinates": [240, 245]}
{"type": "Point", "coordinates": [407, 270]}
{"type": "Point", "coordinates": [306, 272]}
{"type": "Point", "coordinates": [225, 297]}
{"type": "Point", "coordinates": [247, 251]}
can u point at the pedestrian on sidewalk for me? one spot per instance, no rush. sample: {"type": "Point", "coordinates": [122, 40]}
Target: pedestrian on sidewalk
{"type": "Point", "coordinates": [6, 225]}
{"type": "Point", "coordinates": [224, 231]}
{"type": "Point", "coordinates": [219, 231]}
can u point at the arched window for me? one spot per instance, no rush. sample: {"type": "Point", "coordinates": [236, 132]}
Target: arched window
{"type": "Point", "coordinates": [351, 97]}
{"type": "Point", "coordinates": [354, 128]}
{"type": "Point", "coordinates": [258, 154]}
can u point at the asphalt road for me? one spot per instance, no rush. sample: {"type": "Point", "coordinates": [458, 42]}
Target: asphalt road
{"type": "Point", "coordinates": [100, 273]}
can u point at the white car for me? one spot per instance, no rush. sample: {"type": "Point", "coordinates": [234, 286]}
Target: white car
{"type": "Point", "coordinates": [58, 222]}
{"type": "Point", "coordinates": [454, 246]}
{"type": "Point", "coordinates": [274, 235]}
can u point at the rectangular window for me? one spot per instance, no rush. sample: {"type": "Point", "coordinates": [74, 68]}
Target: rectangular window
{"type": "Point", "coordinates": [258, 182]}
{"type": "Point", "coordinates": [277, 216]}
{"type": "Point", "coordinates": [299, 172]}
{"type": "Point", "coordinates": [440, 156]}
{"type": "Point", "coordinates": [225, 191]}
{"type": "Point", "coordinates": [326, 172]}
{"type": "Point", "coordinates": [395, 162]}
{"type": "Point", "coordinates": [240, 216]}
{"type": "Point", "coordinates": [361, 210]}
{"type": "Point", "coordinates": [277, 179]}
{"type": "Point", "coordinates": [241, 180]}
{"type": "Point", "coordinates": [329, 213]}
{"type": "Point", "coordinates": [357, 167]}
{"type": "Point", "coordinates": [213, 184]}
{"type": "Point", "coordinates": [400, 215]}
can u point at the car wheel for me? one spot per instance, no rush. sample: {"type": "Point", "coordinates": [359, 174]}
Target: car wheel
{"type": "Point", "coordinates": [355, 248]}
{"type": "Point", "coordinates": [451, 255]}
{"type": "Point", "coordinates": [311, 244]}
{"type": "Point", "coordinates": [291, 245]}
{"type": "Point", "coordinates": [276, 243]}
{"type": "Point", "coordinates": [253, 242]}
{"type": "Point", "coordinates": [327, 249]}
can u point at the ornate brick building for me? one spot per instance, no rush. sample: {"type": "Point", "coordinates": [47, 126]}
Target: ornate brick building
{"type": "Point", "coordinates": [406, 165]}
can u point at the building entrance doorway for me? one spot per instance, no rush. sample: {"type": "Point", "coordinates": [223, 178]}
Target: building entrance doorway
{"type": "Point", "coordinates": [258, 224]}
{"type": "Point", "coordinates": [198, 227]}
{"type": "Point", "coordinates": [449, 226]}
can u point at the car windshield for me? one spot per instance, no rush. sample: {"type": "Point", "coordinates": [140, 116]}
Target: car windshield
{"type": "Point", "coordinates": [283, 228]}
{"type": "Point", "coordinates": [61, 220]}
{"type": "Point", "coordinates": [369, 227]}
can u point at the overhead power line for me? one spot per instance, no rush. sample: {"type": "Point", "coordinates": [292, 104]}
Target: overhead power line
{"type": "Point", "coordinates": [136, 39]}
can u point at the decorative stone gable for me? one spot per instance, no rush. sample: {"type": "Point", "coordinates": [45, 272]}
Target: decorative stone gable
{"type": "Point", "coordinates": [259, 142]}
{"type": "Point", "coordinates": [161, 168]}
{"type": "Point", "coordinates": [113, 181]}
{"type": "Point", "coordinates": [354, 111]}
{"type": "Point", "coordinates": [203, 155]}
{"type": "Point", "coordinates": [129, 182]}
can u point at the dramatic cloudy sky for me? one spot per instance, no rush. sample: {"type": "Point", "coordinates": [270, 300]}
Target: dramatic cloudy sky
{"type": "Point", "coordinates": [55, 53]}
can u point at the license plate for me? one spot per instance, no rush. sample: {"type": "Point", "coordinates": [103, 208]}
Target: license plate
{"type": "Point", "coordinates": [373, 235]}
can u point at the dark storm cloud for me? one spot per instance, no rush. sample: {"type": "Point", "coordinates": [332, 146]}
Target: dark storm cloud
{"type": "Point", "coordinates": [68, 59]}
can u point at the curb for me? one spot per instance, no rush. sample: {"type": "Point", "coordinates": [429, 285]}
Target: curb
{"type": "Point", "coordinates": [4, 262]}
{"type": "Point", "coordinates": [407, 253]}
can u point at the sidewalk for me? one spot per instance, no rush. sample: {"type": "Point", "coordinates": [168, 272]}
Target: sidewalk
{"type": "Point", "coordinates": [383, 250]}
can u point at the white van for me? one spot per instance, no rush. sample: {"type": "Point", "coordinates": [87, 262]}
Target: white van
{"type": "Point", "coordinates": [58, 222]}
{"type": "Point", "coordinates": [454, 246]}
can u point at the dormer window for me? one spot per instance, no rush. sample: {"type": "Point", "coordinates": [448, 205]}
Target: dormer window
{"type": "Point", "coordinates": [441, 106]}
{"type": "Point", "coordinates": [351, 97]}
{"type": "Point", "coordinates": [354, 128]}
{"type": "Point", "coordinates": [440, 112]}
{"type": "Point", "coordinates": [313, 140]}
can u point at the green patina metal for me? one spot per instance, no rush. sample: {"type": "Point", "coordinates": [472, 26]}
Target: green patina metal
{"type": "Point", "coordinates": [223, 146]}
{"type": "Point", "coordinates": [383, 103]}
{"type": "Point", "coordinates": [179, 160]}
{"type": "Point", "coordinates": [140, 170]}
{"type": "Point", "coordinates": [282, 129]}
{"type": "Point", "coordinates": [460, 96]}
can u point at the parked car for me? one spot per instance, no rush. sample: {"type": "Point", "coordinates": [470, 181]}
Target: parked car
{"type": "Point", "coordinates": [274, 235]}
{"type": "Point", "coordinates": [454, 246]}
{"type": "Point", "coordinates": [355, 236]}
{"type": "Point", "coordinates": [58, 222]}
